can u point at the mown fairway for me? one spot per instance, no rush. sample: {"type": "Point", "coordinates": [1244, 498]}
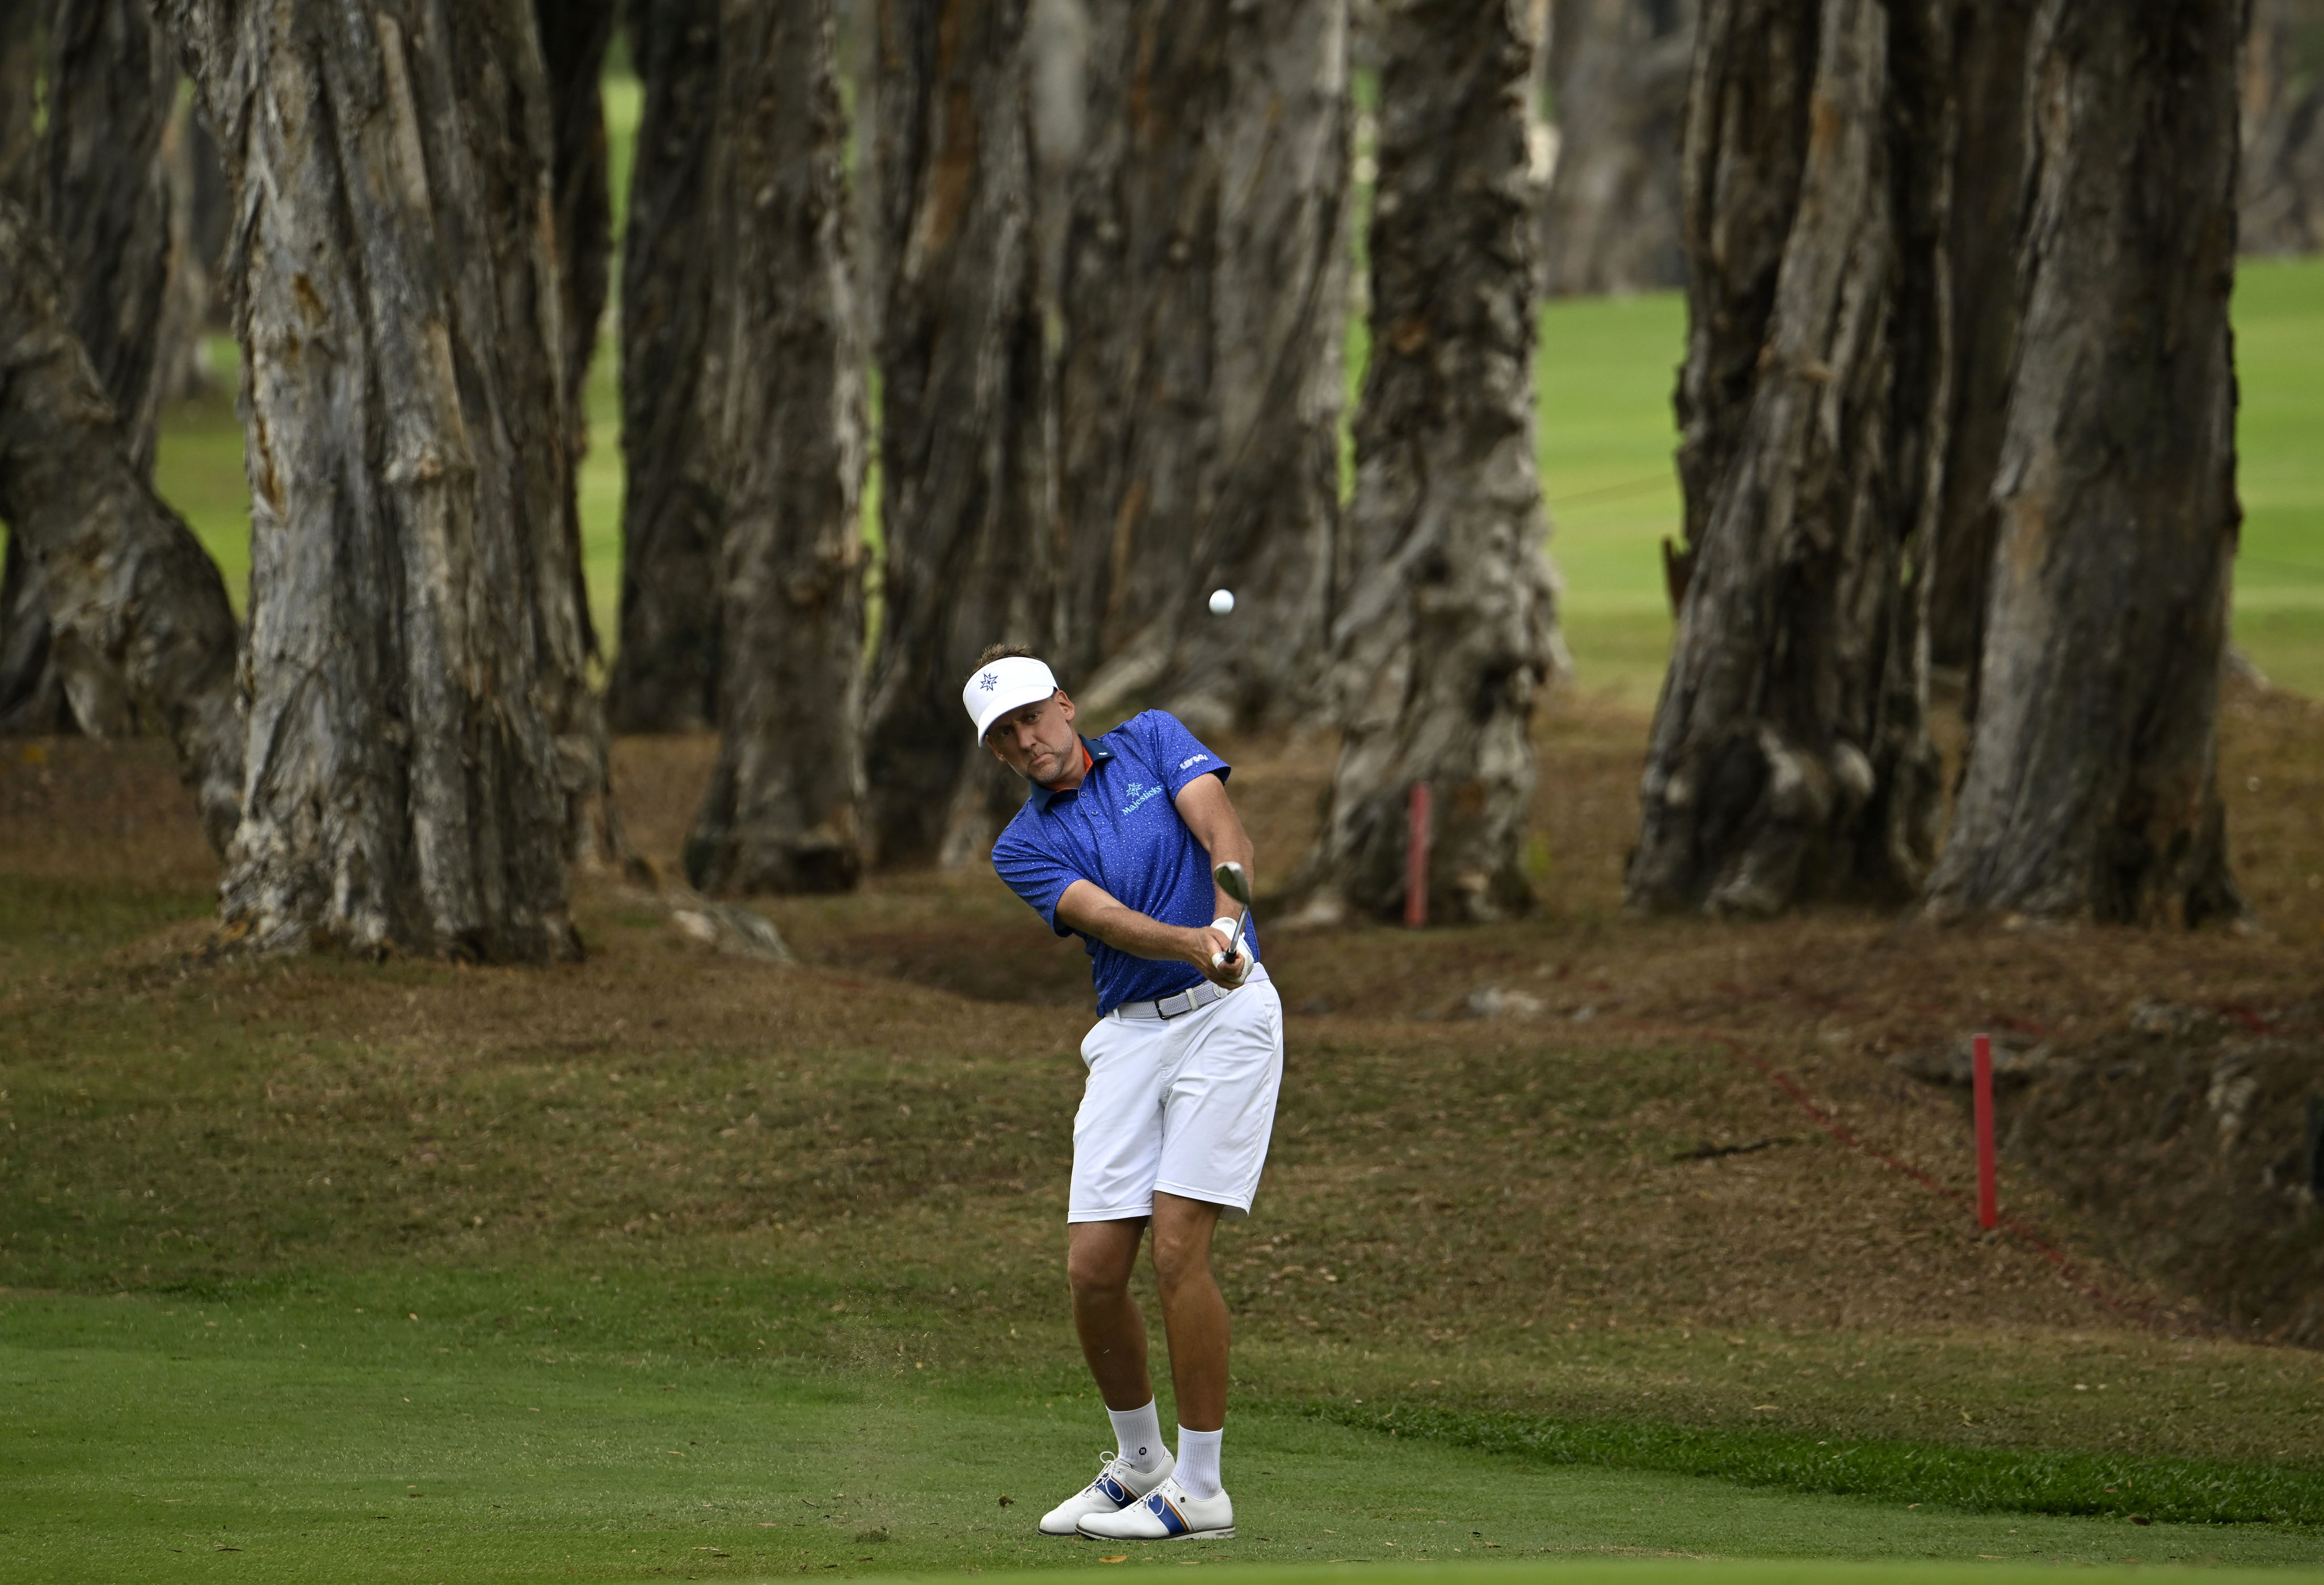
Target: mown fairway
{"type": "Point", "coordinates": [306, 1438]}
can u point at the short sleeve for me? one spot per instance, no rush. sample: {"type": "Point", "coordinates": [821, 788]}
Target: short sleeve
{"type": "Point", "coordinates": [1178, 754]}
{"type": "Point", "coordinates": [1038, 877]}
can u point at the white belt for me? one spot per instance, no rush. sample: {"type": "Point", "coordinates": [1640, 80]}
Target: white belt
{"type": "Point", "coordinates": [1179, 1003]}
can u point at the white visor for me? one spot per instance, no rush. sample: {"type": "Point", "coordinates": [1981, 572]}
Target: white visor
{"type": "Point", "coordinates": [1011, 683]}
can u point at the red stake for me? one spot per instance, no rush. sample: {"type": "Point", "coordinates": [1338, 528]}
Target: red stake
{"type": "Point", "coordinates": [1416, 859]}
{"type": "Point", "coordinates": [1988, 1196]}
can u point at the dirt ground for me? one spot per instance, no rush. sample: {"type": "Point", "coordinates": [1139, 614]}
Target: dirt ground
{"type": "Point", "coordinates": [1553, 1160]}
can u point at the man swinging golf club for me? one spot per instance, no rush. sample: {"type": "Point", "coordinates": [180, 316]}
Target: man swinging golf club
{"type": "Point", "coordinates": [1129, 840]}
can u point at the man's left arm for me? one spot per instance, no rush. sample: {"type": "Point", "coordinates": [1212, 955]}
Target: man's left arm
{"type": "Point", "coordinates": [1203, 805]}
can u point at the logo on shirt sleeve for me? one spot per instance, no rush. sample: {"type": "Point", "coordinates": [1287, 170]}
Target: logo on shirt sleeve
{"type": "Point", "coordinates": [1192, 760]}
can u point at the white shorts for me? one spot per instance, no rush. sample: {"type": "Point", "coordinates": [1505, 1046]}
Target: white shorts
{"type": "Point", "coordinates": [1184, 1105]}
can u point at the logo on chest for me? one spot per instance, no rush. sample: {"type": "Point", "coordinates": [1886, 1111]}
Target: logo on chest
{"type": "Point", "coordinates": [1140, 794]}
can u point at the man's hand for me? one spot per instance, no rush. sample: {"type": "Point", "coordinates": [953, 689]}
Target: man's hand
{"type": "Point", "coordinates": [1216, 966]}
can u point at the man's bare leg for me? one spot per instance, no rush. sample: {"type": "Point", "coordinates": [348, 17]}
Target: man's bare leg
{"type": "Point", "coordinates": [1098, 1259]}
{"type": "Point", "coordinates": [1193, 1312]}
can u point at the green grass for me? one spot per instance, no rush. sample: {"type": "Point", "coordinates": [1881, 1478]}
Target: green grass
{"type": "Point", "coordinates": [498, 1426]}
{"type": "Point", "coordinates": [2280, 443]}
{"type": "Point", "coordinates": [1979, 1479]}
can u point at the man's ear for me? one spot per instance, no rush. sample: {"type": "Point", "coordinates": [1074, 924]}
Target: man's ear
{"type": "Point", "coordinates": [1064, 705]}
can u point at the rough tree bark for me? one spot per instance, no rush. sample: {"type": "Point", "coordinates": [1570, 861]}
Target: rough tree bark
{"type": "Point", "coordinates": [1449, 630]}
{"type": "Point", "coordinates": [32, 694]}
{"type": "Point", "coordinates": [665, 673]}
{"type": "Point", "coordinates": [574, 35]}
{"type": "Point", "coordinates": [1198, 390]}
{"type": "Point", "coordinates": [20, 76]}
{"type": "Point", "coordinates": [107, 198]}
{"type": "Point", "coordinates": [969, 555]}
{"type": "Point", "coordinates": [1133, 378]}
{"type": "Point", "coordinates": [104, 196]}
{"type": "Point", "coordinates": [781, 813]}
{"type": "Point", "coordinates": [1618, 72]}
{"type": "Point", "coordinates": [2282, 198]}
{"type": "Point", "coordinates": [2091, 788]}
{"type": "Point", "coordinates": [415, 649]}
{"type": "Point", "coordinates": [1790, 753]}
{"type": "Point", "coordinates": [129, 592]}
{"type": "Point", "coordinates": [1988, 185]}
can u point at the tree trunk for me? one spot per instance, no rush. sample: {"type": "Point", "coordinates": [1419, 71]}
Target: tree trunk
{"type": "Point", "coordinates": [1450, 629]}
{"type": "Point", "coordinates": [1198, 393]}
{"type": "Point", "coordinates": [1790, 755]}
{"type": "Point", "coordinates": [665, 674]}
{"type": "Point", "coordinates": [2091, 789]}
{"type": "Point", "coordinates": [106, 199]}
{"type": "Point", "coordinates": [32, 695]}
{"type": "Point", "coordinates": [1134, 448]}
{"type": "Point", "coordinates": [133, 600]}
{"type": "Point", "coordinates": [1989, 184]}
{"type": "Point", "coordinates": [968, 548]}
{"type": "Point", "coordinates": [574, 35]}
{"type": "Point", "coordinates": [2281, 199]}
{"type": "Point", "coordinates": [1619, 71]}
{"type": "Point", "coordinates": [1278, 381]}
{"type": "Point", "coordinates": [415, 651]}
{"type": "Point", "coordinates": [782, 810]}
{"type": "Point", "coordinates": [20, 98]}
{"type": "Point", "coordinates": [104, 195]}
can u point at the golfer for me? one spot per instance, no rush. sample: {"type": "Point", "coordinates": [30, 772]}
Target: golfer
{"type": "Point", "coordinates": [1116, 845]}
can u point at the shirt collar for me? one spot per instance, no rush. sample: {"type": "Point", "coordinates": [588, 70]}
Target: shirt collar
{"type": "Point", "coordinates": [1093, 755]}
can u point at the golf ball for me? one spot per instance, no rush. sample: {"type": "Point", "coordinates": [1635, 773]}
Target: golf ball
{"type": "Point", "coordinates": [1221, 602]}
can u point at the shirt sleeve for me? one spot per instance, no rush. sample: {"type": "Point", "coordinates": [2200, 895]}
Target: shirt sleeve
{"type": "Point", "coordinates": [1176, 752]}
{"type": "Point", "coordinates": [1038, 877]}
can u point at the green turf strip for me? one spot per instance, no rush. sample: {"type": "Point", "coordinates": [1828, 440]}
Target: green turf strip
{"type": "Point", "coordinates": [2187, 1491]}
{"type": "Point", "coordinates": [301, 1440]}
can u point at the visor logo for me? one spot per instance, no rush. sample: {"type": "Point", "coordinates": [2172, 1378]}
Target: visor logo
{"type": "Point", "coordinates": [989, 681]}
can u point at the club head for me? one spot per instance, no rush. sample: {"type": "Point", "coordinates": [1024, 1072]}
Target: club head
{"type": "Point", "coordinates": [1230, 880]}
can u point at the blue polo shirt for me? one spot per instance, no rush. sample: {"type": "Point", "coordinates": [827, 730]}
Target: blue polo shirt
{"type": "Point", "coordinates": [1120, 830]}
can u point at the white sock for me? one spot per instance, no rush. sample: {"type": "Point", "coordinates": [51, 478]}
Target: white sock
{"type": "Point", "coordinates": [1198, 1461]}
{"type": "Point", "coordinates": [1139, 1433]}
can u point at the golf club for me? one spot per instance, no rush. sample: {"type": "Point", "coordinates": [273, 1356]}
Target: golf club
{"type": "Point", "coordinates": [1230, 878]}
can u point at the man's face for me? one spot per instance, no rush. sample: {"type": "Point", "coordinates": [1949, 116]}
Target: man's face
{"type": "Point", "coordinates": [1037, 741]}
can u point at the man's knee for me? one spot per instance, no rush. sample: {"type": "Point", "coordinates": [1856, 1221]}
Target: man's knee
{"type": "Point", "coordinates": [1094, 1283]}
{"type": "Point", "coordinates": [1099, 1268]}
{"type": "Point", "coordinates": [1182, 1248]}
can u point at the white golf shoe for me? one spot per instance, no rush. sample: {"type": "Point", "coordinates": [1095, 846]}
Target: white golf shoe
{"type": "Point", "coordinates": [1118, 1485]}
{"type": "Point", "coordinates": [1168, 1513]}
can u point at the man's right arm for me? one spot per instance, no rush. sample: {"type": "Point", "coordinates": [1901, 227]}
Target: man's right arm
{"type": "Point", "coordinates": [1090, 909]}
